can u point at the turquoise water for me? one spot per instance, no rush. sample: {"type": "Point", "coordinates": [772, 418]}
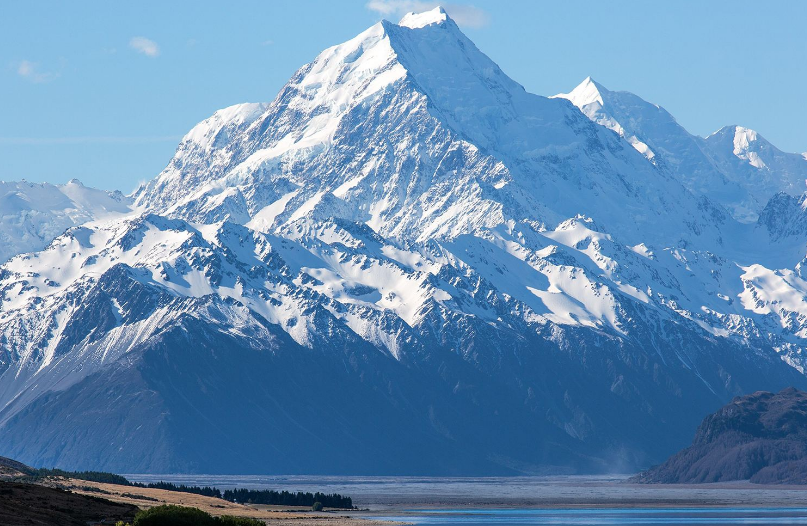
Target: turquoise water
{"type": "Point", "coordinates": [680, 516]}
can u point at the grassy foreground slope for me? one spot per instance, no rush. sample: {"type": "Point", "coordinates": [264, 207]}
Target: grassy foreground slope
{"type": "Point", "coordinates": [37, 505]}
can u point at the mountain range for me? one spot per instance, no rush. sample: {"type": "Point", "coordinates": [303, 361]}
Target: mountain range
{"type": "Point", "coordinates": [408, 264]}
{"type": "Point", "coordinates": [734, 167]}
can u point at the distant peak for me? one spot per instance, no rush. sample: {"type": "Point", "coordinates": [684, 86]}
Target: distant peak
{"type": "Point", "coordinates": [747, 133]}
{"type": "Point", "coordinates": [589, 81]}
{"type": "Point", "coordinates": [725, 129]}
{"type": "Point", "coordinates": [413, 20]}
{"type": "Point", "coordinates": [587, 92]}
{"type": "Point", "coordinates": [741, 136]}
{"type": "Point", "coordinates": [75, 182]}
{"type": "Point", "coordinates": [591, 84]}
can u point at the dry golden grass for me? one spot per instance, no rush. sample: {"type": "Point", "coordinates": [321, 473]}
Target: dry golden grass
{"type": "Point", "coordinates": [275, 515]}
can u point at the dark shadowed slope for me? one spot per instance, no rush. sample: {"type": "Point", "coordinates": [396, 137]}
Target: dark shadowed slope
{"type": "Point", "coordinates": [33, 505]}
{"type": "Point", "coordinates": [761, 437]}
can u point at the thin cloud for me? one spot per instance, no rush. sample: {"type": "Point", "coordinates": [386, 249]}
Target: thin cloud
{"type": "Point", "coordinates": [39, 141]}
{"type": "Point", "coordinates": [30, 71]}
{"type": "Point", "coordinates": [464, 15]}
{"type": "Point", "coordinates": [145, 46]}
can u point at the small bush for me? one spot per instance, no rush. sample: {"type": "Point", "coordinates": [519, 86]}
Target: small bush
{"type": "Point", "coordinates": [317, 506]}
{"type": "Point", "coordinates": [229, 520]}
{"type": "Point", "coordinates": [170, 515]}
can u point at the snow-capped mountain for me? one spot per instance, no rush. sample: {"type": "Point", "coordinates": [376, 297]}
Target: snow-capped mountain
{"type": "Point", "coordinates": [33, 214]}
{"type": "Point", "coordinates": [404, 263]}
{"type": "Point", "coordinates": [462, 147]}
{"type": "Point", "coordinates": [748, 157]}
{"type": "Point", "coordinates": [735, 166]}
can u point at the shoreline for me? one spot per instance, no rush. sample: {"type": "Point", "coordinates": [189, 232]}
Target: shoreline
{"type": "Point", "coordinates": [578, 505]}
{"type": "Point", "coordinates": [275, 515]}
{"type": "Point", "coordinates": [384, 494]}
{"type": "Point", "coordinates": [391, 501]}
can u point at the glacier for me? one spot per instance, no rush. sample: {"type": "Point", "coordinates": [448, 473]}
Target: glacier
{"type": "Point", "coordinates": [33, 214]}
{"type": "Point", "coordinates": [407, 264]}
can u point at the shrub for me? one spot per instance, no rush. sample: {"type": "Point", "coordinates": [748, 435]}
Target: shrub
{"type": "Point", "coordinates": [229, 520]}
{"type": "Point", "coordinates": [317, 506]}
{"type": "Point", "coordinates": [170, 515]}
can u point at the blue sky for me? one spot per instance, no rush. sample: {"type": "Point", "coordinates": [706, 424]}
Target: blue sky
{"type": "Point", "coordinates": [103, 91]}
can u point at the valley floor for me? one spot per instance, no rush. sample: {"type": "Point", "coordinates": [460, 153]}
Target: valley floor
{"type": "Point", "coordinates": [148, 497]}
{"type": "Point", "coordinates": [396, 497]}
{"type": "Point", "coordinates": [383, 495]}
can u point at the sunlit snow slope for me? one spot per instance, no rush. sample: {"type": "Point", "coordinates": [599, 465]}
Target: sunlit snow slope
{"type": "Point", "coordinates": [32, 214]}
{"type": "Point", "coordinates": [735, 166]}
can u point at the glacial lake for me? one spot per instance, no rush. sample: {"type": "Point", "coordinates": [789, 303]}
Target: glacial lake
{"type": "Point", "coordinates": [560, 500]}
{"type": "Point", "coordinates": [613, 516]}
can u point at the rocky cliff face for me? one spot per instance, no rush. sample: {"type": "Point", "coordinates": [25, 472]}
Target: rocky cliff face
{"type": "Point", "coordinates": [761, 437]}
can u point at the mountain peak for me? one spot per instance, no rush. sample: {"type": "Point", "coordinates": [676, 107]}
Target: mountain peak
{"type": "Point", "coordinates": [744, 137]}
{"type": "Point", "coordinates": [745, 143]}
{"type": "Point", "coordinates": [414, 20]}
{"type": "Point", "coordinates": [754, 161]}
{"type": "Point", "coordinates": [737, 133]}
{"type": "Point", "coordinates": [587, 92]}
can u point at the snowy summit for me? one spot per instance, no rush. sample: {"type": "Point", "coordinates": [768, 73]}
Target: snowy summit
{"type": "Point", "coordinates": [418, 20]}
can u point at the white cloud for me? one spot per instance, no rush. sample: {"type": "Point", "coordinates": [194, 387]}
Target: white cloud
{"type": "Point", "coordinates": [464, 15]}
{"type": "Point", "coordinates": [144, 45]}
{"type": "Point", "coordinates": [30, 71]}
